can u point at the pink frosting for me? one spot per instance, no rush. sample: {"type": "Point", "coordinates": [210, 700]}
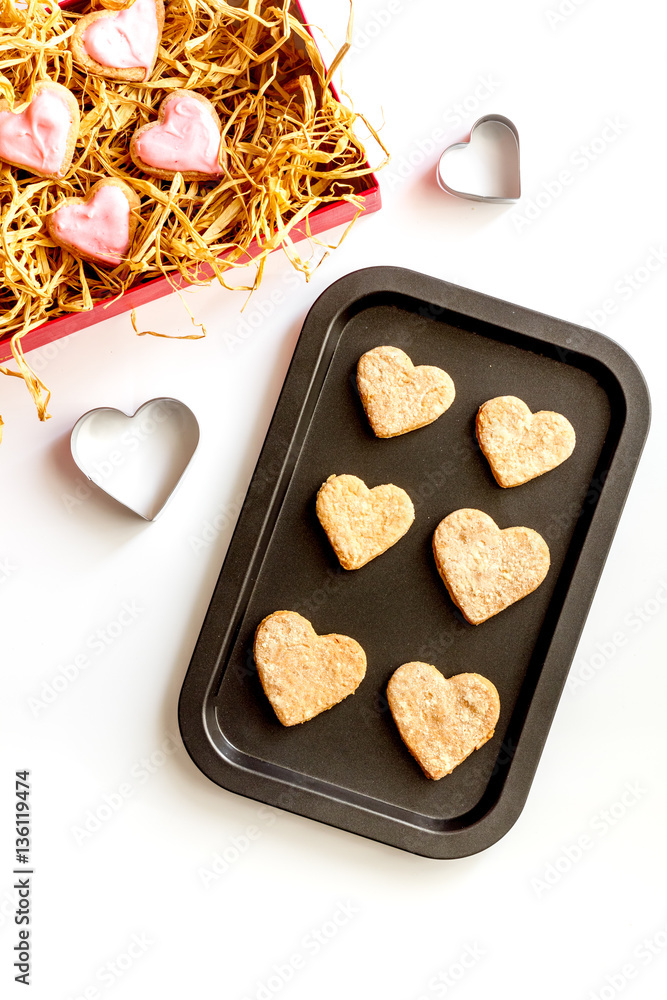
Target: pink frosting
{"type": "Point", "coordinates": [99, 227]}
{"type": "Point", "coordinates": [126, 40]}
{"type": "Point", "coordinates": [37, 138]}
{"type": "Point", "coordinates": [187, 140]}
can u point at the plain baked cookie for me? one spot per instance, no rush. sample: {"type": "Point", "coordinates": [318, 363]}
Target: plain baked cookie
{"type": "Point", "coordinates": [362, 523]}
{"type": "Point", "coordinates": [304, 673]}
{"type": "Point", "coordinates": [120, 44]}
{"type": "Point", "coordinates": [42, 137]}
{"type": "Point", "coordinates": [520, 445]}
{"type": "Point", "coordinates": [399, 397]}
{"type": "Point", "coordinates": [486, 569]}
{"type": "Point", "coordinates": [442, 720]}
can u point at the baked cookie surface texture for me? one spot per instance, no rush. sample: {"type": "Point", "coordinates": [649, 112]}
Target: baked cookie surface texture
{"type": "Point", "coordinates": [484, 568]}
{"type": "Point", "coordinates": [520, 445]}
{"type": "Point", "coordinates": [304, 673]}
{"type": "Point", "coordinates": [442, 720]}
{"type": "Point", "coordinates": [399, 397]}
{"type": "Point", "coordinates": [362, 523]}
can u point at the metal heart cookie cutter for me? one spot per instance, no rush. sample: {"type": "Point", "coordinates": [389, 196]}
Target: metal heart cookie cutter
{"type": "Point", "coordinates": [485, 166]}
{"type": "Point", "coordinates": [138, 460]}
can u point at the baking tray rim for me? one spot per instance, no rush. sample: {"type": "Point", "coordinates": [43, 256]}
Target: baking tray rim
{"type": "Point", "coordinates": [344, 298]}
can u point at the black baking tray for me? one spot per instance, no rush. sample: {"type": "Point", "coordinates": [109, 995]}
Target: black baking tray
{"type": "Point", "coordinates": [348, 766]}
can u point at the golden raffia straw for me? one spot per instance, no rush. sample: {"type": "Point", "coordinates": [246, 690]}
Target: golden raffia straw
{"type": "Point", "coordinates": [289, 143]}
{"type": "Point", "coordinates": [168, 336]}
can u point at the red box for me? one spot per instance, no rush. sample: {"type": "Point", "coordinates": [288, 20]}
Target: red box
{"type": "Point", "coordinates": [318, 221]}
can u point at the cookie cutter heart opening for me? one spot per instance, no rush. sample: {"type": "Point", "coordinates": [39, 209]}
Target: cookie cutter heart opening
{"type": "Point", "coordinates": [486, 166]}
{"type": "Point", "coordinates": [139, 460]}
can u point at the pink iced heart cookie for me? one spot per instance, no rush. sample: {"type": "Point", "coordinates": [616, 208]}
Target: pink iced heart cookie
{"type": "Point", "coordinates": [120, 45]}
{"type": "Point", "coordinates": [99, 227]}
{"type": "Point", "coordinates": [41, 139]}
{"type": "Point", "coordinates": [185, 139]}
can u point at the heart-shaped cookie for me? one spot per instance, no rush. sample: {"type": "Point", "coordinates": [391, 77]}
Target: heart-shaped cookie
{"type": "Point", "coordinates": [99, 227]}
{"type": "Point", "coordinates": [304, 673]}
{"type": "Point", "coordinates": [120, 45]}
{"type": "Point", "coordinates": [41, 139]}
{"type": "Point", "coordinates": [442, 720]}
{"type": "Point", "coordinates": [362, 523]}
{"type": "Point", "coordinates": [486, 569]}
{"type": "Point", "coordinates": [520, 445]}
{"type": "Point", "coordinates": [185, 139]}
{"type": "Point", "coordinates": [399, 397]}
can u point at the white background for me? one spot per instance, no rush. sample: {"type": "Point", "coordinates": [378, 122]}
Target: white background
{"type": "Point", "coordinates": [531, 915]}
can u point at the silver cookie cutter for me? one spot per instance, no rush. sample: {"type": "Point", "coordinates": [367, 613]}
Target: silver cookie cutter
{"type": "Point", "coordinates": [137, 459]}
{"type": "Point", "coordinates": [510, 180]}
